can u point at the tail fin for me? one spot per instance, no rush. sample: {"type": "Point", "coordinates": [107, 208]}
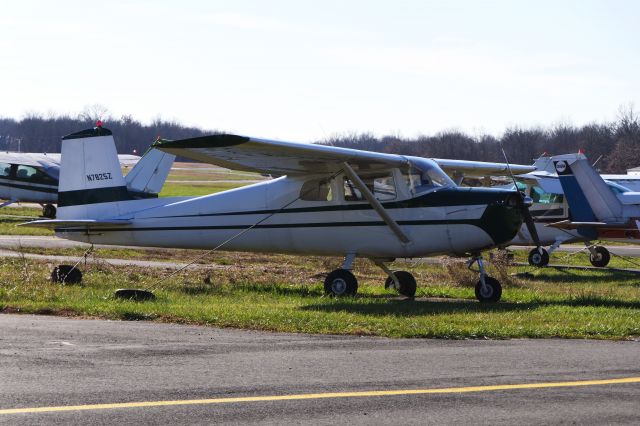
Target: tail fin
{"type": "Point", "coordinates": [589, 197]}
{"type": "Point", "coordinates": [90, 173]}
{"type": "Point", "coordinates": [148, 176]}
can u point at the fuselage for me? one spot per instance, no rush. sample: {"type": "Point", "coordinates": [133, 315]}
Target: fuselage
{"type": "Point", "coordinates": [273, 216]}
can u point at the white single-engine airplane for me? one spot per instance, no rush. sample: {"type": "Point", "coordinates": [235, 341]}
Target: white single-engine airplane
{"type": "Point", "coordinates": [327, 201]}
{"type": "Point", "coordinates": [597, 213]}
{"type": "Point", "coordinates": [33, 178]}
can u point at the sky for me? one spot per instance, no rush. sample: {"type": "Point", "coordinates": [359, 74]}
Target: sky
{"type": "Point", "coordinates": [305, 70]}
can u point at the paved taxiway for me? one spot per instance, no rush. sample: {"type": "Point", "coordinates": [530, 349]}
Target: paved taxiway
{"type": "Point", "coordinates": [52, 362]}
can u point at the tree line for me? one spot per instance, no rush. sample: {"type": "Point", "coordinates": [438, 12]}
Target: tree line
{"type": "Point", "coordinates": [614, 145]}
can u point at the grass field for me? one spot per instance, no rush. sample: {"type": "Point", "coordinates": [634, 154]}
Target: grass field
{"type": "Point", "coordinates": [284, 293]}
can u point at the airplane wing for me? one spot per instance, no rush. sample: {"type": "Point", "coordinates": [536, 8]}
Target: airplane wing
{"type": "Point", "coordinates": [274, 157]}
{"type": "Point", "coordinates": [279, 157]}
{"type": "Point", "coordinates": [481, 168]}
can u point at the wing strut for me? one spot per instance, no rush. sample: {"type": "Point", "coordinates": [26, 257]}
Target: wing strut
{"type": "Point", "coordinates": [375, 203]}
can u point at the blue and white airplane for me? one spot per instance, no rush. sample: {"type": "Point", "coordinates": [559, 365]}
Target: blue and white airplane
{"type": "Point", "coordinates": [596, 212]}
{"type": "Point", "coordinates": [327, 201]}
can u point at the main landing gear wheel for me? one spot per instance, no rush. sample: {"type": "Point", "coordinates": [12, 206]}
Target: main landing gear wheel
{"type": "Point", "coordinates": [48, 210]}
{"type": "Point", "coordinates": [599, 257]}
{"type": "Point", "coordinates": [538, 257]}
{"type": "Point", "coordinates": [490, 292]}
{"type": "Point", "coordinates": [341, 282]}
{"type": "Point", "coordinates": [66, 274]}
{"type": "Point", "coordinates": [407, 283]}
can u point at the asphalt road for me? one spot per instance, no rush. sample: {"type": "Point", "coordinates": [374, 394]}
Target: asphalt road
{"type": "Point", "coordinates": [174, 374]}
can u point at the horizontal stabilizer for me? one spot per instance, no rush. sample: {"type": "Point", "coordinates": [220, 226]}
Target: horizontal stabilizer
{"type": "Point", "coordinates": [150, 173]}
{"type": "Point", "coordinates": [80, 223]}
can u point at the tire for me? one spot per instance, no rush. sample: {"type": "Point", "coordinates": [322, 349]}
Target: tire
{"type": "Point", "coordinates": [539, 257]}
{"type": "Point", "coordinates": [493, 290]}
{"type": "Point", "coordinates": [66, 274]}
{"type": "Point", "coordinates": [407, 283]}
{"type": "Point", "coordinates": [48, 210]}
{"type": "Point", "coordinates": [601, 257]}
{"type": "Point", "coordinates": [341, 283]}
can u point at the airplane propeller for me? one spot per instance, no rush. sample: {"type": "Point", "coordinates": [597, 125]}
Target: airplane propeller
{"type": "Point", "coordinates": [524, 203]}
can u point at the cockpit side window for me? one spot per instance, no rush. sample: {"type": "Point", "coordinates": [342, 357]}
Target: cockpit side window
{"type": "Point", "coordinates": [5, 169]}
{"type": "Point", "coordinates": [316, 190]}
{"type": "Point", "coordinates": [33, 174]}
{"type": "Point", "coordinates": [538, 196]}
{"type": "Point", "coordinates": [382, 186]}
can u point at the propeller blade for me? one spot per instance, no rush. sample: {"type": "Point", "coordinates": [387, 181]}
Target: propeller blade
{"type": "Point", "coordinates": [524, 209]}
{"type": "Point", "coordinates": [531, 226]}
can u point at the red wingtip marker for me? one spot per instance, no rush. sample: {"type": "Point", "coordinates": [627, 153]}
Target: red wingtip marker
{"type": "Point", "coordinates": [99, 123]}
{"type": "Point", "coordinates": [581, 151]}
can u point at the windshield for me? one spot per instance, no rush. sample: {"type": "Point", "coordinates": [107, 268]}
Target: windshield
{"type": "Point", "coordinates": [424, 175]}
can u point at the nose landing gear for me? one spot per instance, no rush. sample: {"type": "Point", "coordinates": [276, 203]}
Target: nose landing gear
{"type": "Point", "coordinates": [488, 289]}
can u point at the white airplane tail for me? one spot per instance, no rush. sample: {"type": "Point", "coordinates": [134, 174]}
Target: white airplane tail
{"type": "Point", "coordinates": [91, 182]}
{"type": "Point", "coordinates": [588, 195]}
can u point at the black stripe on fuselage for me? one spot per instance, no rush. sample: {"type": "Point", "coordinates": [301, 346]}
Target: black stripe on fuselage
{"type": "Point", "coordinates": [50, 190]}
{"type": "Point", "coordinates": [438, 198]}
{"type": "Point", "coordinates": [475, 222]}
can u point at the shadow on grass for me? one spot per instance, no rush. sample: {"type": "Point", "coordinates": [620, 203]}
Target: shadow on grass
{"type": "Point", "coordinates": [403, 308]}
{"type": "Point", "coordinates": [552, 275]}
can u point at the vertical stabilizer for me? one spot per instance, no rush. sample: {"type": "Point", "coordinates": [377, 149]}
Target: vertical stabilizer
{"type": "Point", "coordinates": [90, 173]}
{"type": "Point", "coordinates": [589, 197]}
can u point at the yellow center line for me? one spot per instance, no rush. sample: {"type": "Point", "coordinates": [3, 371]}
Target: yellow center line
{"type": "Point", "coordinates": [294, 397]}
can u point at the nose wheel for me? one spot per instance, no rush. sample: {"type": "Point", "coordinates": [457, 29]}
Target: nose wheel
{"type": "Point", "coordinates": [538, 257]}
{"type": "Point", "coordinates": [599, 256]}
{"type": "Point", "coordinates": [488, 289]}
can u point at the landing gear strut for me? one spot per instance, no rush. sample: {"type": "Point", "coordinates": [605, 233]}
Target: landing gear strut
{"type": "Point", "coordinates": [599, 256]}
{"type": "Point", "coordinates": [402, 281]}
{"type": "Point", "coordinates": [488, 289]}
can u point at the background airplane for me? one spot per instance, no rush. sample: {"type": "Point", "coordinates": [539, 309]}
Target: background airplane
{"type": "Point", "coordinates": [549, 205]}
{"type": "Point", "coordinates": [327, 201]}
{"type": "Point", "coordinates": [597, 213]}
{"type": "Point", "coordinates": [33, 178]}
